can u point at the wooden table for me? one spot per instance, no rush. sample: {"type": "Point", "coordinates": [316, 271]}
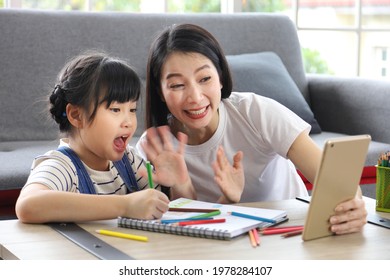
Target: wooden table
{"type": "Point", "coordinates": [40, 242]}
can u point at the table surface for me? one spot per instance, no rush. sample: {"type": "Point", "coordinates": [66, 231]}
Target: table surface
{"type": "Point", "coordinates": [40, 242]}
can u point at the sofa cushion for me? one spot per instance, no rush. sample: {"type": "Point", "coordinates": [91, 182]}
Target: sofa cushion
{"type": "Point", "coordinates": [17, 158]}
{"type": "Point", "coordinates": [264, 74]}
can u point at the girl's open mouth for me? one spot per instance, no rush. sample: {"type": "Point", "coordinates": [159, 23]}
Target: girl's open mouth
{"type": "Point", "coordinates": [120, 143]}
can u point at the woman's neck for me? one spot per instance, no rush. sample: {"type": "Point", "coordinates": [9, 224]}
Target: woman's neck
{"type": "Point", "coordinates": [195, 136]}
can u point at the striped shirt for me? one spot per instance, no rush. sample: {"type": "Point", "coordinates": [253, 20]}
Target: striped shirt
{"type": "Point", "coordinates": [57, 172]}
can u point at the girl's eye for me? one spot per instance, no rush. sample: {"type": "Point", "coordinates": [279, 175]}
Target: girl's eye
{"type": "Point", "coordinates": [115, 110]}
{"type": "Point", "coordinates": [133, 110]}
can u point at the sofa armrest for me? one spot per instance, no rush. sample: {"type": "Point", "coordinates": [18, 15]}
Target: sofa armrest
{"type": "Point", "coordinates": [351, 105]}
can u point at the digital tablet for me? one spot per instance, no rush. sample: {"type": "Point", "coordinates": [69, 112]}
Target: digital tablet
{"type": "Point", "coordinates": [337, 180]}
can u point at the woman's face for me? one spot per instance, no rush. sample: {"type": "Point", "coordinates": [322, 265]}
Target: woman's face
{"type": "Point", "coordinates": [191, 89]}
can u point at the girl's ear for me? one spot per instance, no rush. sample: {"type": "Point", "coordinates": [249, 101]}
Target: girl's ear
{"type": "Point", "coordinates": [74, 115]}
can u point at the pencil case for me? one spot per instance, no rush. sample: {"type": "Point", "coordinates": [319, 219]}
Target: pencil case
{"type": "Point", "coordinates": [382, 189]}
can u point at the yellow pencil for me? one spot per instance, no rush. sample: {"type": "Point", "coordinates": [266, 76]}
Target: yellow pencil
{"type": "Point", "coordinates": [122, 235]}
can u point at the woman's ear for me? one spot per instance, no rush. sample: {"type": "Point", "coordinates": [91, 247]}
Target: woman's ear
{"type": "Point", "coordinates": [74, 115]}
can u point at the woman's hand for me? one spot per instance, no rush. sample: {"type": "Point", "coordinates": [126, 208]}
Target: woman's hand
{"type": "Point", "coordinates": [350, 216]}
{"type": "Point", "coordinates": [230, 178]}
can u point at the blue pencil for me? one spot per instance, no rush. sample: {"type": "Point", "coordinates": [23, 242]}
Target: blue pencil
{"type": "Point", "coordinates": [171, 221]}
{"type": "Point", "coordinates": [253, 217]}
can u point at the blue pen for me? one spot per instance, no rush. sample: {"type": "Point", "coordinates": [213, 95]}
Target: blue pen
{"type": "Point", "coordinates": [253, 217]}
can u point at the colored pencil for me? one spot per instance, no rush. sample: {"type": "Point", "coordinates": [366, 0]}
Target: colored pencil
{"type": "Point", "coordinates": [292, 233]}
{"type": "Point", "coordinates": [150, 179]}
{"type": "Point", "coordinates": [195, 210]}
{"type": "Point", "coordinates": [256, 235]}
{"type": "Point", "coordinates": [252, 239]}
{"type": "Point", "coordinates": [207, 215]}
{"type": "Point", "coordinates": [122, 235]}
{"type": "Point", "coordinates": [268, 231]}
{"type": "Point", "coordinates": [200, 222]}
{"type": "Point", "coordinates": [246, 216]}
{"type": "Point", "coordinates": [172, 221]}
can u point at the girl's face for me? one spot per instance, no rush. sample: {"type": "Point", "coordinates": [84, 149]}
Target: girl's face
{"type": "Point", "coordinates": [191, 89]}
{"type": "Point", "coordinates": [106, 137]}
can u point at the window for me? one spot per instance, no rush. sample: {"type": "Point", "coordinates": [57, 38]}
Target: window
{"type": "Point", "coordinates": [361, 28]}
{"type": "Point", "coordinates": [381, 65]}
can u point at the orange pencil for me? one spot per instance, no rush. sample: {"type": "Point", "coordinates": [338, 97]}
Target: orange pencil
{"type": "Point", "coordinates": [252, 239]}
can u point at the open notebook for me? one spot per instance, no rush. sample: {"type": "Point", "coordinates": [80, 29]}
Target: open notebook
{"type": "Point", "coordinates": [233, 226]}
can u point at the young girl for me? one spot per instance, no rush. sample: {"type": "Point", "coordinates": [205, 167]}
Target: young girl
{"type": "Point", "coordinates": [189, 90]}
{"type": "Point", "coordinates": [95, 174]}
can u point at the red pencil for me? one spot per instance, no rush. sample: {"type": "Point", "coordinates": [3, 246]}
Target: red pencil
{"type": "Point", "coordinates": [292, 233]}
{"type": "Point", "coordinates": [272, 228]}
{"type": "Point", "coordinates": [268, 231]}
{"type": "Point", "coordinates": [200, 222]}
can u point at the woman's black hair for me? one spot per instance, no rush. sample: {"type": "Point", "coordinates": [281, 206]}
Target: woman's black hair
{"type": "Point", "coordinates": [89, 80]}
{"type": "Point", "coordinates": [184, 38]}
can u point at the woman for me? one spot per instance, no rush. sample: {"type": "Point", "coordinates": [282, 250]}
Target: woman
{"type": "Point", "coordinates": [189, 90]}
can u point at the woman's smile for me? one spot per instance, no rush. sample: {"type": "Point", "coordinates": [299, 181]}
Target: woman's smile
{"type": "Point", "coordinates": [197, 113]}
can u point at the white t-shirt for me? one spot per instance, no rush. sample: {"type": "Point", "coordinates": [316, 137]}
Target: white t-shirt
{"type": "Point", "coordinates": [56, 171]}
{"type": "Point", "coordinates": [264, 131]}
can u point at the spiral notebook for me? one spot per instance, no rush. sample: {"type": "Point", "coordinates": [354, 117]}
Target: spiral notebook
{"type": "Point", "coordinates": [232, 227]}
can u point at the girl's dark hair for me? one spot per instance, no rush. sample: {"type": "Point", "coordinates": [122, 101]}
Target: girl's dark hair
{"type": "Point", "coordinates": [89, 80]}
{"type": "Point", "coordinates": [185, 38]}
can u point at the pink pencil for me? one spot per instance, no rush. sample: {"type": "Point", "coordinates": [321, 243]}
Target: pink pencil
{"type": "Point", "coordinates": [256, 235]}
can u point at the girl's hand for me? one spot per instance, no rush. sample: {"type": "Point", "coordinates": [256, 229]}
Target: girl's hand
{"type": "Point", "coordinates": [169, 164]}
{"type": "Point", "coordinates": [350, 216]}
{"type": "Point", "coordinates": [230, 178]}
{"type": "Point", "coordinates": [147, 204]}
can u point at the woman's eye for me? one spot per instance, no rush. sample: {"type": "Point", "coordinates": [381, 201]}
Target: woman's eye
{"type": "Point", "coordinates": [175, 86]}
{"type": "Point", "coordinates": [205, 79]}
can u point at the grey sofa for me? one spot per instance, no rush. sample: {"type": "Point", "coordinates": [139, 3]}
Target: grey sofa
{"type": "Point", "coordinates": [36, 44]}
